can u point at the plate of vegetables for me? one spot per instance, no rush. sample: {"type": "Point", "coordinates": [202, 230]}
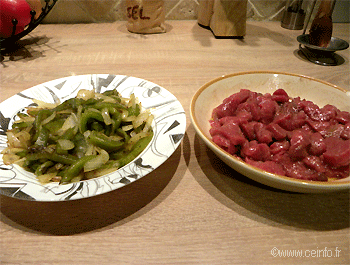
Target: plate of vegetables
{"type": "Point", "coordinates": [86, 135]}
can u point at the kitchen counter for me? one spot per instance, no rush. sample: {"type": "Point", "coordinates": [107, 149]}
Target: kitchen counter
{"type": "Point", "coordinates": [193, 209]}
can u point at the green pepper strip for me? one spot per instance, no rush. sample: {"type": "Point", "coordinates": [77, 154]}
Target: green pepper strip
{"type": "Point", "coordinates": [64, 159]}
{"type": "Point", "coordinates": [104, 142]}
{"type": "Point", "coordinates": [42, 137]}
{"type": "Point", "coordinates": [75, 169]}
{"type": "Point", "coordinates": [86, 116]}
{"type": "Point", "coordinates": [138, 147]}
{"type": "Point", "coordinates": [22, 125]}
{"type": "Point", "coordinates": [42, 114]}
{"type": "Point", "coordinates": [71, 103]}
{"type": "Point", "coordinates": [43, 167]}
{"type": "Point", "coordinates": [112, 107]}
{"type": "Point", "coordinates": [122, 133]}
{"type": "Point", "coordinates": [134, 111]}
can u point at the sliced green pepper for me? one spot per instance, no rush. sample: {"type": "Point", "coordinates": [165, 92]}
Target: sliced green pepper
{"type": "Point", "coordinates": [43, 167]}
{"type": "Point", "coordinates": [75, 169]}
{"type": "Point", "coordinates": [104, 142]}
{"type": "Point", "coordinates": [88, 115]}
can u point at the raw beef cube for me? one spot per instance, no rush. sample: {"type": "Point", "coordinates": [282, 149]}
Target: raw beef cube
{"type": "Point", "coordinates": [299, 171]}
{"type": "Point", "coordinates": [319, 126]}
{"type": "Point", "coordinates": [232, 119]}
{"type": "Point", "coordinates": [277, 131]}
{"type": "Point", "coordinates": [256, 151]}
{"type": "Point", "coordinates": [230, 104]}
{"type": "Point", "coordinates": [224, 143]}
{"type": "Point", "coordinates": [248, 130]}
{"type": "Point", "coordinates": [214, 123]}
{"type": "Point", "coordinates": [230, 131]}
{"type": "Point", "coordinates": [267, 109]}
{"type": "Point", "coordinates": [315, 163]}
{"type": "Point", "coordinates": [311, 110]}
{"type": "Point", "coordinates": [343, 117]}
{"type": "Point", "coordinates": [317, 144]}
{"type": "Point", "coordinates": [298, 144]}
{"type": "Point", "coordinates": [262, 134]}
{"type": "Point", "coordinates": [328, 112]}
{"type": "Point", "coordinates": [244, 116]}
{"type": "Point", "coordinates": [279, 147]}
{"type": "Point", "coordinates": [337, 173]}
{"type": "Point", "coordinates": [280, 95]}
{"type": "Point", "coordinates": [268, 166]}
{"type": "Point", "coordinates": [334, 130]}
{"type": "Point", "coordinates": [346, 132]}
{"type": "Point", "coordinates": [337, 152]}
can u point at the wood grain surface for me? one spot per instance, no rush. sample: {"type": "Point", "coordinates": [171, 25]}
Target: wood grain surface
{"type": "Point", "coordinates": [193, 209]}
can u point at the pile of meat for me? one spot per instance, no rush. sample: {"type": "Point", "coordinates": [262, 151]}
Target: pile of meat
{"type": "Point", "coordinates": [286, 136]}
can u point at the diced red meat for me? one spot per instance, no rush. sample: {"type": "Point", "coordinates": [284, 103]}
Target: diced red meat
{"type": "Point", "coordinates": [232, 119]}
{"type": "Point", "coordinates": [298, 170]}
{"type": "Point", "coordinates": [311, 110]}
{"type": "Point", "coordinates": [346, 132]}
{"type": "Point", "coordinates": [279, 147]}
{"type": "Point", "coordinates": [256, 151]}
{"type": "Point", "coordinates": [315, 163]}
{"type": "Point", "coordinates": [268, 166]}
{"type": "Point", "coordinates": [280, 95]}
{"type": "Point", "coordinates": [337, 152]}
{"type": "Point", "coordinates": [337, 173]}
{"type": "Point", "coordinates": [231, 131]}
{"type": "Point", "coordinates": [299, 144]}
{"type": "Point", "coordinates": [319, 126]}
{"type": "Point", "coordinates": [230, 104]}
{"type": "Point", "coordinates": [248, 130]}
{"type": "Point", "coordinates": [268, 109]}
{"type": "Point", "coordinates": [244, 116]}
{"type": "Point", "coordinates": [262, 134]}
{"type": "Point", "coordinates": [277, 131]}
{"type": "Point", "coordinates": [334, 130]}
{"type": "Point", "coordinates": [283, 135]}
{"type": "Point", "coordinates": [343, 117]}
{"type": "Point", "coordinates": [328, 112]}
{"type": "Point", "coordinates": [289, 117]}
{"type": "Point", "coordinates": [317, 144]}
{"type": "Point", "coordinates": [225, 144]}
{"type": "Point", "coordinates": [250, 106]}
{"type": "Point", "coordinates": [214, 123]}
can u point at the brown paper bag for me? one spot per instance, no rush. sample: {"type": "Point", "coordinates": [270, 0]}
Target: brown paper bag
{"type": "Point", "coordinates": [145, 16]}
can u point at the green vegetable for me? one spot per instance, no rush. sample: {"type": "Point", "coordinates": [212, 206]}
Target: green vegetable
{"type": "Point", "coordinates": [59, 141]}
{"type": "Point", "coordinates": [75, 169]}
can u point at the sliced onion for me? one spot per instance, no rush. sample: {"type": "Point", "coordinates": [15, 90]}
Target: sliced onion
{"type": "Point", "coordinates": [97, 162]}
{"type": "Point", "coordinates": [65, 144]}
{"type": "Point", "coordinates": [137, 137]}
{"type": "Point", "coordinates": [26, 119]}
{"type": "Point", "coordinates": [86, 94]}
{"type": "Point", "coordinates": [45, 105]}
{"type": "Point", "coordinates": [148, 123]}
{"type": "Point", "coordinates": [45, 178]}
{"type": "Point", "coordinates": [140, 119]}
{"type": "Point", "coordinates": [127, 128]}
{"type": "Point", "coordinates": [10, 158]}
{"type": "Point", "coordinates": [105, 115]}
{"type": "Point", "coordinates": [50, 118]}
{"type": "Point", "coordinates": [106, 98]}
{"type": "Point", "coordinates": [12, 140]}
{"type": "Point", "coordinates": [70, 122]}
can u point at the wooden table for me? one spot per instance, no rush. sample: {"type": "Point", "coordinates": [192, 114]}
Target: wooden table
{"type": "Point", "coordinates": [193, 209]}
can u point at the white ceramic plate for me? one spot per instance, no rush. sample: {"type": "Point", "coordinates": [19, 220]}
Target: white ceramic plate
{"type": "Point", "coordinates": [212, 94]}
{"type": "Point", "coordinates": [169, 127]}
